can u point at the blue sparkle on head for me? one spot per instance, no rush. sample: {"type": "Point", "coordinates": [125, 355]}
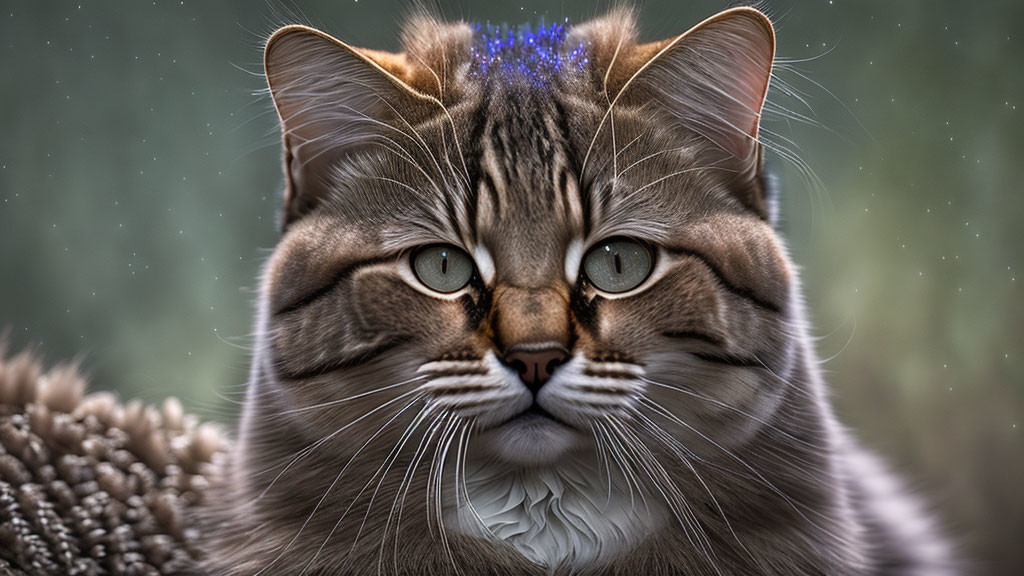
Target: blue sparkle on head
{"type": "Point", "coordinates": [534, 54]}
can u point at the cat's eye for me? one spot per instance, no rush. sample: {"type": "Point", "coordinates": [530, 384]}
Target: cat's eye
{"type": "Point", "coordinates": [617, 265]}
{"type": "Point", "coordinates": [443, 267]}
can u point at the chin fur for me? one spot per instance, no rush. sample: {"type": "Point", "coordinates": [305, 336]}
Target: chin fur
{"type": "Point", "coordinates": [559, 517]}
{"type": "Point", "coordinates": [531, 441]}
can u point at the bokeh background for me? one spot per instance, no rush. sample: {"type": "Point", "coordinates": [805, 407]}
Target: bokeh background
{"type": "Point", "coordinates": [139, 183]}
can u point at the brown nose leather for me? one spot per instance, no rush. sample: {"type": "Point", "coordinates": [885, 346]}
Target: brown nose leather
{"type": "Point", "coordinates": [535, 366]}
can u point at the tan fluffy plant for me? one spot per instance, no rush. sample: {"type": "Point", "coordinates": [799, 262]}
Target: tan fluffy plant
{"type": "Point", "coordinates": [90, 486]}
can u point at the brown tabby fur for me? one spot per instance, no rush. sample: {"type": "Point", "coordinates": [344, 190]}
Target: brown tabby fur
{"type": "Point", "coordinates": [714, 414]}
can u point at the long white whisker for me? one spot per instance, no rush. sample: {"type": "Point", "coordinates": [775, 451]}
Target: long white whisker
{"type": "Point", "coordinates": [439, 499]}
{"type": "Point", "coordinates": [680, 452]}
{"type": "Point", "coordinates": [412, 426]}
{"type": "Point", "coordinates": [720, 404]}
{"type": "Point", "coordinates": [627, 471]}
{"type": "Point", "coordinates": [353, 397]}
{"type": "Point", "coordinates": [730, 454]}
{"type": "Point", "coordinates": [407, 481]}
{"type": "Point", "coordinates": [342, 472]}
{"type": "Point", "coordinates": [677, 502]}
{"type": "Point", "coordinates": [603, 458]}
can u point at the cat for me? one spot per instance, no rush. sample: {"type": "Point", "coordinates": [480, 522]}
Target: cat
{"type": "Point", "coordinates": [529, 314]}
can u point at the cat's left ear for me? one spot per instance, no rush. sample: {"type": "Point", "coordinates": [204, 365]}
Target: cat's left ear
{"type": "Point", "coordinates": [712, 80]}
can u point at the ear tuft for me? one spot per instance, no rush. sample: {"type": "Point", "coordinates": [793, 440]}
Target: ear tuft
{"type": "Point", "coordinates": [438, 52]}
{"type": "Point", "coordinates": [611, 42]}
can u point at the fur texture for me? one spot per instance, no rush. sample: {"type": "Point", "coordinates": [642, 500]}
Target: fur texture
{"type": "Point", "coordinates": [684, 427]}
{"type": "Point", "coordinates": [681, 425]}
{"type": "Point", "coordinates": [552, 513]}
{"type": "Point", "coordinates": [90, 487]}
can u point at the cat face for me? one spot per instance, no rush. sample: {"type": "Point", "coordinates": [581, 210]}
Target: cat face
{"type": "Point", "coordinates": [553, 245]}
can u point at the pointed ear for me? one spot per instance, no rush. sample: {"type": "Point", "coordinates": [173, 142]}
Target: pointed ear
{"type": "Point", "coordinates": [712, 80]}
{"type": "Point", "coordinates": [333, 101]}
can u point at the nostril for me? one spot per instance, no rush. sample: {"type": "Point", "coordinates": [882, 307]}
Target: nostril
{"type": "Point", "coordinates": [554, 363]}
{"type": "Point", "coordinates": [535, 365]}
{"type": "Point", "coordinates": [519, 366]}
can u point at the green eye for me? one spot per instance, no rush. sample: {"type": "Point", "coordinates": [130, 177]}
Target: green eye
{"type": "Point", "coordinates": [442, 267]}
{"type": "Point", "coordinates": [617, 265]}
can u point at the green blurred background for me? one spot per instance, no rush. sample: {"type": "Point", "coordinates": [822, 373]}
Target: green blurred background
{"type": "Point", "coordinates": [139, 182]}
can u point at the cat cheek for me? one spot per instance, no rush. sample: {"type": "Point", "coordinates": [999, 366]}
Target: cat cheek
{"type": "Point", "coordinates": [385, 304]}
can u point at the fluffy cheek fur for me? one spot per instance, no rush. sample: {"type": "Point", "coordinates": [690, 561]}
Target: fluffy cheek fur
{"type": "Point", "coordinates": [714, 366]}
{"type": "Point", "coordinates": [706, 405]}
{"type": "Point", "coordinates": [351, 354]}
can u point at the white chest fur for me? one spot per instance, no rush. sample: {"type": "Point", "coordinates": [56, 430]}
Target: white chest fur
{"type": "Point", "coordinates": [563, 515]}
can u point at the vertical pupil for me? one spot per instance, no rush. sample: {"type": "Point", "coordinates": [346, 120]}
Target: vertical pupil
{"type": "Point", "coordinates": [618, 263]}
{"type": "Point", "coordinates": [444, 262]}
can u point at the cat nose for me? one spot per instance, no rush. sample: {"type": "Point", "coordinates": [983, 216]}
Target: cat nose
{"type": "Point", "coordinates": [535, 364]}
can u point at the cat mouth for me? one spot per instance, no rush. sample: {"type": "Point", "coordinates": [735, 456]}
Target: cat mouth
{"type": "Point", "coordinates": [532, 437]}
{"type": "Point", "coordinates": [537, 413]}
{"type": "Point", "coordinates": [532, 417]}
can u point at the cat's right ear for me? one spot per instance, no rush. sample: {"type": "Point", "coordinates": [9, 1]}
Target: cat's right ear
{"type": "Point", "coordinates": [333, 100]}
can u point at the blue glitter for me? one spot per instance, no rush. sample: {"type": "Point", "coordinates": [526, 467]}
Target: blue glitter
{"type": "Point", "coordinates": [536, 54]}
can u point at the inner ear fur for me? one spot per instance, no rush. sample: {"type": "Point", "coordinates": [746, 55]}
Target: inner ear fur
{"type": "Point", "coordinates": [711, 80]}
{"type": "Point", "coordinates": [334, 100]}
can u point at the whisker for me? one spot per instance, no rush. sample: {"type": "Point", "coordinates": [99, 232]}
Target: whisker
{"type": "Point", "coordinates": [677, 503]}
{"type": "Point", "coordinates": [465, 489]}
{"type": "Point", "coordinates": [623, 462]}
{"type": "Point", "coordinates": [394, 451]}
{"type": "Point", "coordinates": [603, 457]}
{"type": "Point", "coordinates": [673, 175]}
{"type": "Point", "coordinates": [681, 452]}
{"type": "Point", "coordinates": [438, 501]}
{"type": "Point", "coordinates": [421, 450]}
{"type": "Point", "coordinates": [731, 408]}
{"type": "Point", "coordinates": [337, 478]}
{"type": "Point", "coordinates": [353, 397]}
{"type": "Point", "coordinates": [309, 449]}
{"type": "Point", "coordinates": [792, 503]}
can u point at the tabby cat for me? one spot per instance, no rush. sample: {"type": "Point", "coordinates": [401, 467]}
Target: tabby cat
{"type": "Point", "coordinates": [529, 315]}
